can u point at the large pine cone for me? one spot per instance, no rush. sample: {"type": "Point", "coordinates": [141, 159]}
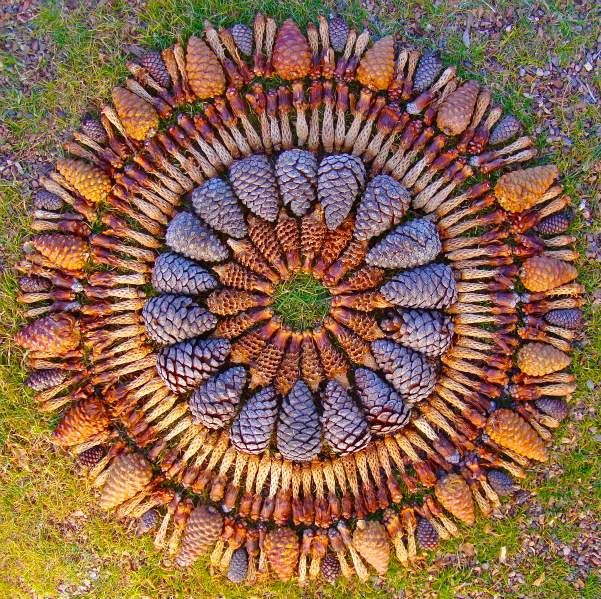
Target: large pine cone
{"type": "Point", "coordinates": [282, 549]}
{"type": "Point", "coordinates": [205, 75]}
{"type": "Point", "coordinates": [139, 118]}
{"type": "Point", "coordinates": [371, 541]}
{"type": "Point", "coordinates": [128, 474]}
{"type": "Point", "coordinates": [427, 71]}
{"type": "Point", "coordinates": [291, 57]}
{"type": "Point", "coordinates": [81, 421]}
{"type": "Point", "coordinates": [88, 180]}
{"type": "Point", "coordinates": [510, 430]}
{"type": "Point", "coordinates": [189, 236]}
{"type": "Point", "coordinates": [538, 359]}
{"type": "Point", "coordinates": [519, 190]}
{"type": "Point", "coordinates": [376, 68]}
{"type": "Point", "coordinates": [55, 334]}
{"type": "Point", "coordinates": [455, 496]}
{"type": "Point", "coordinates": [455, 113]}
{"type": "Point", "coordinates": [173, 273]}
{"type": "Point", "coordinates": [542, 273]}
{"type": "Point", "coordinates": [202, 531]}
{"type": "Point", "coordinates": [64, 251]}
{"type": "Point", "coordinates": [296, 172]}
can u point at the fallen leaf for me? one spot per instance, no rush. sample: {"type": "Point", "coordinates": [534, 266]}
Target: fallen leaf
{"type": "Point", "coordinates": [503, 554]}
{"type": "Point", "coordinates": [539, 580]}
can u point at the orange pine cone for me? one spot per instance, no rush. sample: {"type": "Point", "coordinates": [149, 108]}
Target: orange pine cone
{"type": "Point", "coordinates": [265, 367]}
{"type": "Point", "coordinates": [81, 421]}
{"type": "Point", "coordinates": [282, 548]}
{"type": "Point", "coordinates": [234, 275]}
{"type": "Point", "coordinates": [139, 118]}
{"type": "Point", "coordinates": [205, 75]}
{"type": "Point", "coordinates": [88, 180]}
{"type": "Point", "coordinates": [311, 368]}
{"type": "Point", "coordinates": [376, 68]}
{"type": "Point", "coordinates": [289, 371]}
{"type": "Point", "coordinates": [542, 273]}
{"type": "Point", "coordinates": [234, 326]}
{"type": "Point", "coordinates": [291, 53]}
{"type": "Point", "coordinates": [455, 496]}
{"type": "Point", "coordinates": [371, 541]}
{"type": "Point", "coordinates": [521, 189]}
{"type": "Point", "coordinates": [334, 363]}
{"type": "Point", "coordinates": [228, 301]}
{"type": "Point", "coordinates": [55, 334]}
{"type": "Point", "coordinates": [538, 359]}
{"type": "Point", "coordinates": [510, 430]}
{"type": "Point", "coordinates": [455, 113]}
{"type": "Point", "coordinates": [128, 475]}
{"type": "Point", "coordinates": [64, 251]}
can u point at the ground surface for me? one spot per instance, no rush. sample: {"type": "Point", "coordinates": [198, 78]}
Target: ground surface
{"type": "Point", "coordinates": [58, 59]}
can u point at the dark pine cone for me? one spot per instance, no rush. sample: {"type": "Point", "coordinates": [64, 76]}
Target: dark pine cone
{"type": "Point", "coordinates": [34, 284]}
{"type": "Point", "coordinates": [567, 318]}
{"type": "Point", "coordinates": [428, 69]}
{"type": "Point", "coordinates": [553, 406]}
{"type": "Point", "coordinates": [148, 520]}
{"type": "Point", "coordinates": [40, 380]}
{"type": "Point", "coordinates": [189, 236]}
{"type": "Point", "coordinates": [94, 130]}
{"type": "Point", "coordinates": [155, 66]}
{"type": "Point", "coordinates": [238, 567]}
{"type": "Point", "coordinates": [173, 273]}
{"type": "Point", "coordinates": [500, 482]}
{"type": "Point", "coordinates": [243, 37]}
{"type": "Point", "coordinates": [90, 457]}
{"type": "Point", "coordinates": [296, 172]}
{"type": "Point", "coordinates": [426, 534]}
{"type": "Point", "coordinates": [504, 130]}
{"type": "Point", "coordinates": [555, 223]}
{"type": "Point", "coordinates": [44, 200]}
{"type": "Point", "coordinates": [339, 31]}
{"type": "Point", "coordinates": [252, 428]}
{"type": "Point", "coordinates": [330, 568]}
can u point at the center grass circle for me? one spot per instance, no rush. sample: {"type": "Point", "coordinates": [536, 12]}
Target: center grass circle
{"type": "Point", "coordinates": [302, 302]}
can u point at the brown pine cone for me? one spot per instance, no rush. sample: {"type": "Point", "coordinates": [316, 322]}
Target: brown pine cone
{"type": "Point", "coordinates": [153, 63]}
{"type": "Point", "coordinates": [364, 278]}
{"type": "Point", "coordinates": [265, 367]}
{"type": "Point", "coordinates": [64, 251]}
{"type": "Point", "coordinates": [296, 172]}
{"type": "Point", "coordinates": [228, 301]}
{"type": "Point", "coordinates": [202, 530]}
{"type": "Point", "coordinates": [371, 541]}
{"type": "Point", "coordinates": [311, 368]}
{"type": "Point", "coordinates": [88, 180]}
{"type": "Point", "coordinates": [335, 243]}
{"type": "Point", "coordinates": [288, 234]}
{"type": "Point", "coordinates": [282, 549]}
{"type": "Point", "coordinates": [538, 359]}
{"type": "Point", "coordinates": [139, 118]}
{"type": "Point", "coordinates": [455, 496]}
{"type": "Point", "coordinates": [253, 427]}
{"type": "Point", "coordinates": [81, 421]}
{"type": "Point", "coordinates": [264, 237]}
{"type": "Point", "coordinates": [376, 68]}
{"type": "Point", "coordinates": [363, 323]}
{"type": "Point", "coordinates": [426, 534]}
{"type": "Point", "coordinates": [455, 113]}
{"type": "Point", "coordinates": [232, 274]}
{"type": "Point", "coordinates": [94, 130]}
{"type": "Point", "coordinates": [312, 233]}
{"type": "Point", "coordinates": [55, 334]}
{"type": "Point", "coordinates": [189, 236]}
{"type": "Point", "coordinates": [291, 57]}
{"type": "Point", "coordinates": [357, 349]}
{"type": "Point", "coordinates": [128, 474]}
{"type": "Point", "coordinates": [542, 273]}
{"type": "Point", "coordinates": [234, 326]}
{"type": "Point", "coordinates": [521, 189]}
{"type": "Point", "coordinates": [427, 71]}
{"type": "Point", "coordinates": [44, 200]}
{"type": "Point", "coordinates": [289, 370]}
{"type": "Point", "coordinates": [504, 130]}
{"type": "Point", "coordinates": [510, 430]}
{"type": "Point", "coordinates": [335, 365]}
{"type": "Point", "coordinates": [205, 75]}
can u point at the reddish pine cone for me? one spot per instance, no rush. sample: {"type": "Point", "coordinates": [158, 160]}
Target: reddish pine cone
{"type": "Point", "coordinates": [371, 541]}
{"type": "Point", "coordinates": [205, 75]}
{"type": "Point", "coordinates": [54, 334]}
{"type": "Point", "coordinates": [128, 475]}
{"type": "Point", "coordinates": [519, 190]}
{"type": "Point", "coordinates": [376, 68]}
{"type": "Point", "coordinates": [87, 179]}
{"type": "Point", "coordinates": [64, 251]}
{"type": "Point", "coordinates": [81, 421]}
{"type": "Point", "coordinates": [455, 113]}
{"type": "Point", "coordinates": [202, 530]}
{"type": "Point", "coordinates": [139, 118]}
{"type": "Point", "coordinates": [510, 430]}
{"type": "Point", "coordinates": [541, 273]}
{"type": "Point", "coordinates": [455, 496]}
{"type": "Point", "coordinates": [281, 546]}
{"type": "Point", "coordinates": [291, 57]}
{"type": "Point", "coordinates": [538, 359]}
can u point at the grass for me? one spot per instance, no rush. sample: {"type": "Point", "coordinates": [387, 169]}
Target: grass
{"type": "Point", "coordinates": [53, 540]}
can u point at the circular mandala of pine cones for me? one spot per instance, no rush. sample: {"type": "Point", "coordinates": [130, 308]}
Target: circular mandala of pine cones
{"type": "Point", "coordinates": [226, 166]}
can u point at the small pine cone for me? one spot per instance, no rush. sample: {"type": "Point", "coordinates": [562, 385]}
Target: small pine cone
{"type": "Point", "coordinates": [538, 359]}
{"type": "Point", "coordinates": [431, 286]}
{"type": "Point", "coordinates": [289, 370]}
{"type": "Point", "coordinates": [173, 273]}
{"type": "Point", "coordinates": [34, 284]}
{"type": "Point", "coordinates": [311, 368]}
{"type": "Point", "coordinates": [232, 274]}
{"type": "Point", "coordinates": [205, 75]}
{"type": "Point", "coordinates": [501, 482]}
{"type": "Point", "coordinates": [238, 566]}
{"type": "Point", "coordinates": [336, 242]}
{"type": "Point", "coordinates": [90, 457]}
{"type": "Point", "coordinates": [189, 236]}
{"type": "Point", "coordinates": [153, 63]}
{"type": "Point", "coordinates": [264, 237]}
{"type": "Point", "coordinates": [253, 180]}
{"type": "Point", "coordinates": [504, 130]}
{"type": "Point", "coordinates": [288, 234]}
{"type": "Point", "coordinates": [248, 255]}
{"type": "Point", "coordinates": [170, 318]}
{"type": "Point", "coordinates": [282, 549]}
{"type": "Point", "coordinates": [384, 408]}
{"type": "Point", "coordinates": [249, 346]}
{"type": "Point", "coordinates": [40, 380]}
{"type": "Point", "coordinates": [555, 223]}
{"type": "Point", "coordinates": [376, 68]}
{"type": "Point", "coordinates": [339, 31]}
{"type": "Point", "coordinates": [371, 541]}
{"type": "Point", "coordinates": [299, 430]}
{"type": "Point", "coordinates": [332, 359]}
{"type": "Point", "coordinates": [243, 38]}
{"type": "Point", "coordinates": [426, 534]}
{"type": "Point", "coordinates": [363, 323]}
{"type": "Point", "coordinates": [455, 496]}
{"type": "Point", "coordinates": [128, 475]}
{"type": "Point", "coordinates": [265, 367]}
{"type": "Point", "coordinates": [552, 406]}
{"type": "Point", "coordinates": [80, 422]}
{"type": "Point", "coordinates": [356, 349]}
{"type": "Point", "coordinates": [94, 130]}
{"type": "Point", "coordinates": [234, 326]}
{"type": "Point", "coordinates": [296, 172]}
{"type": "Point", "coordinates": [44, 200]}
{"type": "Point", "coordinates": [147, 522]}
{"type": "Point", "coordinates": [214, 201]}
{"type": "Point", "coordinates": [427, 71]}
{"type": "Point", "coordinates": [138, 117]}
{"type": "Point", "coordinates": [382, 206]}
{"type": "Point", "coordinates": [429, 332]}
{"type": "Point", "coordinates": [542, 273]}
{"type": "Point", "coordinates": [291, 57]}
{"type": "Point", "coordinates": [312, 233]}
{"type": "Point", "coordinates": [202, 530]}
{"type": "Point", "coordinates": [408, 371]}
{"type": "Point", "coordinates": [214, 403]}
{"type": "Point", "coordinates": [330, 568]}
{"type": "Point", "coordinates": [411, 244]}
{"type": "Point", "coordinates": [366, 277]}
{"type": "Point", "coordinates": [521, 189]}
{"type": "Point", "coordinates": [253, 427]}
{"type": "Point", "coordinates": [510, 430]}
{"type": "Point", "coordinates": [88, 180]}
{"type": "Point", "coordinates": [185, 365]}
{"type": "Point", "coordinates": [228, 301]}
{"type": "Point", "coordinates": [351, 258]}
{"type": "Point", "coordinates": [455, 113]}
{"type": "Point", "coordinates": [55, 334]}
{"type": "Point", "coordinates": [340, 179]}
{"type": "Point", "coordinates": [64, 251]}
{"type": "Point", "coordinates": [344, 426]}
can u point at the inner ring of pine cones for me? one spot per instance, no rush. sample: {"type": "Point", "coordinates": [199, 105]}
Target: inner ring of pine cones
{"type": "Point", "coordinates": [426, 389]}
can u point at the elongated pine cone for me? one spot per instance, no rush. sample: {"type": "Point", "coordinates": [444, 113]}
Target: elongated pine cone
{"type": "Point", "coordinates": [519, 190]}
{"type": "Point", "coordinates": [81, 421]}
{"type": "Point", "coordinates": [128, 474]}
{"type": "Point", "coordinates": [376, 68]}
{"type": "Point", "coordinates": [55, 334]}
{"type": "Point", "coordinates": [139, 118]}
{"type": "Point", "coordinates": [282, 549]}
{"type": "Point", "coordinates": [153, 63]}
{"type": "Point", "coordinates": [455, 113]}
{"type": "Point", "coordinates": [371, 541]}
{"type": "Point", "coordinates": [428, 68]}
{"type": "Point", "coordinates": [296, 172]}
{"type": "Point", "coordinates": [202, 530]}
{"type": "Point", "coordinates": [510, 430]}
{"type": "Point", "coordinates": [291, 53]}
{"type": "Point", "coordinates": [40, 380]}
{"type": "Point", "coordinates": [538, 359]}
{"type": "Point", "coordinates": [189, 236]}
{"type": "Point", "coordinates": [504, 130]}
{"type": "Point", "coordinates": [64, 251]}
{"type": "Point", "coordinates": [205, 75]}
{"type": "Point", "coordinates": [455, 496]}
{"type": "Point", "coordinates": [88, 180]}
{"type": "Point", "coordinates": [542, 273]}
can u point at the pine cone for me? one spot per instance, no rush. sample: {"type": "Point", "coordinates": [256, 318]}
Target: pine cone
{"type": "Point", "coordinates": [288, 234]}
{"type": "Point", "coordinates": [552, 406]}
{"type": "Point", "coordinates": [363, 279]}
{"type": "Point", "coordinates": [173, 273]}
{"type": "Point", "coordinates": [414, 243]}
{"type": "Point", "coordinates": [253, 180]}
{"type": "Point", "coordinates": [214, 201]}
{"type": "Point", "coordinates": [455, 113]}
{"type": "Point", "coordinates": [147, 521]}
{"type": "Point", "coordinates": [243, 37]}
{"type": "Point", "coordinates": [40, 380]}
{"type": "Point", "coordinates": [214, 403]}
{"type": "Point", "coordinates": [202, 530]}
{"type": "Point", "coordinates": [265, 367]}
{"type": "Point", "coordinates": [296, 172]}
{"type": "Point", "coordinates": [153, 63]}
{"type": "Point", "coordinates": [510, 430]}
{"type": "Point", "coordinates": [384, 408]}
{"type": "Point", "coordinates": [431, 286]}
{"type": "Point", "coordinates": [408, 371]}
{"type": "Point", "coordinates": [282, 549]}
{"type": "Point", "coordinates": [88, 180]}
{"type": "Point", "coordinates": [64, 251]}
{"type": "Point", "coordinates": [205, 75]}
{"type": "Point", "coordinates": [556, 223]}
{"type": "Point", "coordinates": [250, 345]}
{"type": "Point", "coordinates": [311, 368]}
{"type": "Point", "coordinates": [363, 323]}
{"type": "Point", "coordinates": [90, 457]}
{"type": "Point", "coordinates": [34, 284]}
{"type": "Point", "coordinates": [169, 318]}
{"type": "Point", "coordinates": [426, 534]}
{"type": "Point", "coordinates": [504, 130]}
{"type": "Point", "coordinates": [291, 57]}
{"type": "Point", "coordinates": [55, 334]}
{"type": "Point", "coordinates": [335, 243]}
{"type": "Point", "coordinates": [455, 496]}
{"type": "Point", "coordinates": [538, 359]}
{"type": "Point", "coordinates": [312, 233]}
{"type": "Point", "coordinates": [339, 30]}
{"type": "Point", "coordinates": [264, 237]}
{"type": "Point", "coordinates": [332, 359]}
{"type": "Point", "coordinates": [228, 301]}
{"type": "Point", "coordinates": [128, 475]}
{"type": "Point", "coordinates": [501, 482]}
{"type": "Point", "coordinates": [344, 426]}
{"type": "Point", "coordinates": [519, 190]}
{"type": "Point", "coordinates": [189, 236]}
{"type": "Point", "coordinates": [427, 71]}
{"type": "Point", "coordinates": [356, 349]}
{"type": "Point", "coordinates": [299, 430]}
{"type": "Point", "coordinates": [238, 567]}
{"type": "Point", "coordinates": [234, 326]}
{"type": "Point", "coordinates": [253, 427]}
{"type": "Point", "coordinates": [248, 255]}
{"type": "Point", "coordinates": [185, 365]}
{"type": "Point", "coordinates": [371, 541]}
{"type": "Point", "coordinates": [289, 370]}
{"type": "Point", "coordinates": [44, 200]}
{"type": "Point", "coordinates": [382, 206]}
{"type": "Point", "coordinates": [80, 422]}
{"type": "Point", "coordinates": [138, 117]}
{"type": "Point", "coordinates": [376, 68]}
{"type": "Point", "coordinates": [542, 273]}
{"type": "Point", "coordinates": [330, 568]}
{"type": "Point", "coordinates": [232, 274]}
{"type": "Point", "coordinates": [94, 130]}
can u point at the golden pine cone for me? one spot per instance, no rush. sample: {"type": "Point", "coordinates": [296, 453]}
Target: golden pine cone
{"type": "Point", "coordinates": [289, 371]}
{"type": "Point", "coordinates": [88, 180]}
{"type": "Point", "coordinates": [281, 546]}
{"type": "Point", "coordinates": [510, 430]}
{"type": "Point", "coordinates": [312, 233]}
{"type": "Point", "coordinates": [81, 421]}
{"type": "Point", "coordinates": [249, 346]}
{"type": "Point", "coordinates": [336, 241]}
{"type": "Point", "coordinates": [311, 368]}
{"type": "Point", "coordinates": [364, 278]}
{"type": "Point", "coordinates": [228, 301]}
{"type": "Point", "coordinates": [263, 235]}
{"type": "Point", "coordinates": [232, 274]}
{"type": "Point", "coordinates": [542, 273]}
{"type": "Point", "coordinates": [64, 251]}
{"type": "Point", "coordinates": [455, 113]}
{"type": "Point", "coordinates": [139, 118]}
{"type": "Point", "coordinates": [55, 334]}
{"type": "Point", "coordinates": [455, 496]}
{"type": "Point", "coordinates": [202, 530]}
{"type": "Point", "coordinates": [205, 75]}
{"type": "Point", "coordinates": [371, 541]}
{"type": "Point", "coordinates": [265, 367]}
{"type": "Point", "coordinates": [356, 348]}
{"type": "Point", "coordinates": [363, 323]}
{"type": "Point", "coordinates": [234, 326]}
{"type": "Point", "coordinates": [291, 57]}
{"type": "Point", "coordinates": [333, 361]}
{"type": "Point", "coordinates": [538, 359]}
{"type": "Point", "coordinates": [376, 68]}
{"type": "Point", "coordinates": [521, 189]}
{"type": "Point", "coordinates": [128, 474]}
{"type": "Point", "coordinates": [248, 255]}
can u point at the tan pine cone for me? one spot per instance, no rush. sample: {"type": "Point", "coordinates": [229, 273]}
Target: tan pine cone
{"type": "Point", "coordinates": [538, 359]}
{"type": "Point", "coordinates": [510, 430]}
{"type": "Point", "coordinates": [264, 236]}
{"type": "Point", "coordinates": [356, 348]}
{"type": "Point", "coordinates": [202, 530]}
{"type": "Point", "coordinates": [335, 365]}
{"type": "Point", "coordinates": [228, 301]}
{"type": "Point", "coordinates": [88, 180]}
{"type": "Point", "coordinates": [265, 367]}
{"type": "Point", "coordinates": [371, 541]}
{"type": "Point", "coordinates": [64, 251]}
{"type": "Point", "coordinates": [249, 346]}
{"type": "Point", "coordinates": [129, 473]}
{"type": "Point", "coordinates": [363, 323]}
{"type": "Point", "coordinates": [234, 326]}
{"type": "Point", "coordinates": [311, 368]}
{"type": "Point", "coordinates": [282, 549]}
{"type": "Point", "coordinates": [205, 75]}
{"type": "Point", "coordinates": [289, 371]}
{"type": "Point", "coordinates": [455, 113]}
{"type": "Point", "coordinates": [232, 274]}
{"type": "Point", "coordinates": [54, 334]}
{"type": "Point", "coordinates": [81, 421]}
{"type": "Point", "coordinates": [521, 189]}
{"type": "Point", "coordinates": [542, 273]}
{"type": "Point", "coordinates": [291, 53]}
{"type": "Point", "coordinates": [455, 496]}
{"type": "Point", "coordinates": [139, 118]}
{"type": "Point", "coordinates": [376, 68]}
{"type": "Point", "coordinates": [312, 233]}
